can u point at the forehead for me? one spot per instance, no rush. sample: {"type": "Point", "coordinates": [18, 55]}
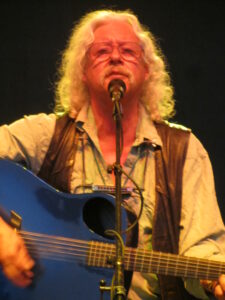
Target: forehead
{"type": "Point", "coordinates": [115, 30]}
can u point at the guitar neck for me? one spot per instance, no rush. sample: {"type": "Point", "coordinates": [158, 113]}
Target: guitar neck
{"type": "Point", "coordinates": [102, 255]}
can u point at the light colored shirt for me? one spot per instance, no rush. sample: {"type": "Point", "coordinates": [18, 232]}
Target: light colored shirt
{"type": "Point", "coordinates": [202, 233]}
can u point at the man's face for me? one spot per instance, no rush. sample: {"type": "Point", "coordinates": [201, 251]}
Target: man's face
{"type": "Point", "coordinates": [115, 54]}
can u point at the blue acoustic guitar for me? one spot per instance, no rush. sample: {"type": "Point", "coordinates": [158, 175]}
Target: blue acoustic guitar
{"type": "Point", "coordinates": [71, 258]}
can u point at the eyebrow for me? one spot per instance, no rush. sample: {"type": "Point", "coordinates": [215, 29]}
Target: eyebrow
{"type": "Point", "coordinates": [119, 42]}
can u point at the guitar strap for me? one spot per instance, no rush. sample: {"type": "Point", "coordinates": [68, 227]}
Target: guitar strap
{"type": "Point", "coordinates": [169, 160]}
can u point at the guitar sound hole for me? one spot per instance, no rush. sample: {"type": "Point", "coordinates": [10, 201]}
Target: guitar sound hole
{"type": "Point", "coordinates": [99, 215]}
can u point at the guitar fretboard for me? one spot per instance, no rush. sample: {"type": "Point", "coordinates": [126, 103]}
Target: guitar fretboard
{"type": "Point", "coordinates": [99, 254]}
{"type": "Point", "coordinates": [103, 255]}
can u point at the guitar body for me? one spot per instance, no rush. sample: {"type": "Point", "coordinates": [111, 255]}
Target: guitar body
{"type": "Point", "coordinates": [47, 211]}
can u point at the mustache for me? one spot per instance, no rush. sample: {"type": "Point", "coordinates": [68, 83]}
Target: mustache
{"type": "Point", "coordinates": [117, 70]}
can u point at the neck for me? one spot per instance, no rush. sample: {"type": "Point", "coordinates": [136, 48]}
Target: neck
{"type": "Point", "coordinates": [103, 110]}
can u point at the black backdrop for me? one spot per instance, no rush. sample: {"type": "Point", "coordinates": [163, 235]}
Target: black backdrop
{"type": "Point", "coordinates": [190, 33]}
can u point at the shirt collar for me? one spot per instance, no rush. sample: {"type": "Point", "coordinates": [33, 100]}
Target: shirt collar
{"type": "Point", "coordinates": [82, 116]}
{"type": "Point", "coordinates": [145, 132]}
{"type": "Point", "coordinates": [85, 121]}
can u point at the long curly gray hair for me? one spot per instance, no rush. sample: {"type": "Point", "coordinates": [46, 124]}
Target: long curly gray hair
{"type": "Point", "coordinates": [71, 92]}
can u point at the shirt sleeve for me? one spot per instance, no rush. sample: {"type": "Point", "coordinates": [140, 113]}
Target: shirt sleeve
{"type": "Point", "coordinates": [202, 233]}
{"type": "Point", "coordinates": [27, 140]}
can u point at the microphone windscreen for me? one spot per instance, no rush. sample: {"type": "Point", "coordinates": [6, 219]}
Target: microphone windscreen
{"type": "Point", "coordinates": [117, 86]}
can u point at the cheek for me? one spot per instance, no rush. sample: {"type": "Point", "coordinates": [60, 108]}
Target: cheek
{"type": "Point", "coordinates": [92, 72]}
{"type": "Point", "coordinates": [93, 78]}
{"type": "Point", "coordinates": [141, 71]}
{"type": "Point", "coordinates": [140, 74]}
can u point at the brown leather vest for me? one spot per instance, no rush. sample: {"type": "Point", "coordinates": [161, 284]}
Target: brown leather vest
{"type": "Point", "coordinates": [169, 162]}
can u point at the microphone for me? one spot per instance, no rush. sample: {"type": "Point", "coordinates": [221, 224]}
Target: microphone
{"type": "Point", "coordinates": [116, 89]}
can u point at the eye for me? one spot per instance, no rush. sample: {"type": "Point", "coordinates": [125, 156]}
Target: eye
{"type": "Point", "coordinates": [129, 51]}
{"type": "Point", "coordinates": [102, 50]}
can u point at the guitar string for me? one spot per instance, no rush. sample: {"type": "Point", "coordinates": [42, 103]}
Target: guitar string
{"type": "Point", "coordinates": [53, 251]}
{"type": "Point", "coordinates": [168, 271]}
{"type": "Point", "coordinates": [74, 243]}
{"type": "Point", "coordinates": [144, 269]}
{"type": "Point", "coordinates": [141, 266]}
{"type": "Point", "coordinates": [137, 255]}
{"type": "Point", "coordinates": [153, 269]}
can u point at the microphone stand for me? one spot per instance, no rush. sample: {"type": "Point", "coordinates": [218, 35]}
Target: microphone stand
{"type": "Point", "coordinates": [119, 292]}
{"type": "Point", "coordinates": [116, 90]}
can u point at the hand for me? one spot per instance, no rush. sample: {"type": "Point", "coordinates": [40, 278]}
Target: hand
{"type": "Point", "coordinates": [219, 290]}
{"type": "Point", "coordinates": [14, 258]}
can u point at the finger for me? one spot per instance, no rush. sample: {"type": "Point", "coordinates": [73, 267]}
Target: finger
{"type": "Point", "coordinates": [222, 282]}
{"type": "Point", "coordinates": [219, 293]}
{"type": "Point", "coordinates": [22, 260]}
{"type": "Point", "coordinates": [219, 290]}
{"type": "Point", "coordinates": [16, 276]}
{"type": "Point", "coordinates": [17, 266]}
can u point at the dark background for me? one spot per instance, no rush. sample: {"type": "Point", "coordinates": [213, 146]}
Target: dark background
{"type": "Point", "coordinates": [190, 33]}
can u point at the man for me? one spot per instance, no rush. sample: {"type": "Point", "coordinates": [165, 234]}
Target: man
{"type": "Point", "coordinates": [104, 46]}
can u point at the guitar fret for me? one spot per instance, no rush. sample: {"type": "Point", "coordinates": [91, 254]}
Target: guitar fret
{"type": "Point", "coordinates": [158, 264]}
{"type": "Point", "coordinates": [104, 255]}
{"type": "Point", "coordinates": [95, 256]}
{"type": "Point", "coordinates": [98, 253]}
{"type": "Point", "coordinates": [210, 270]}
{"type": "Point", "coordinates": [196, 268]}
{"type": "Point", "coordinates": [166, 267]}
{"type": "Point", "coordinates": [127, 259]}
{"type": "Point", "coordinates": [136, 258]}
{"type": "Point", "coordinates": [89, 262]}
{"type": "Point", "coordinates": [186, 267]}
{"type": "Point", "coordinates": [150, 264]}
{"type": "Point", "coordinates": [220, 268]}
{"type": "Point", "coordinates": [133, 253]}
{"type": "Point", "coordinates": [142, 261]}
{"type": "Point", "coordinates": [176, 268]}
{"type": "Point", "coordinates": [207, 271]}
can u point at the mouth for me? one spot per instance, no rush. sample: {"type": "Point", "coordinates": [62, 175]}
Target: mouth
{"type": "Point", "coordinates": [116, 73]}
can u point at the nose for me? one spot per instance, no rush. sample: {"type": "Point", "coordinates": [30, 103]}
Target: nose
{"type": "Point", "coordinates": [115, 55]}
